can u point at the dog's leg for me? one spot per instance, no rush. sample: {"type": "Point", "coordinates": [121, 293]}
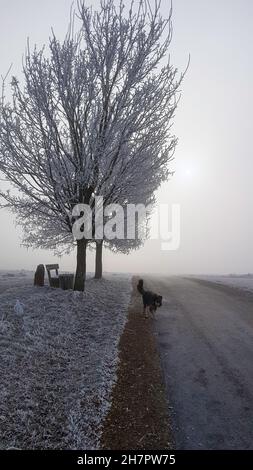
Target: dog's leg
{"type": "Point", "coordinates": [152, 310]}
{"type": "Point", "coordinates": [147, 311]}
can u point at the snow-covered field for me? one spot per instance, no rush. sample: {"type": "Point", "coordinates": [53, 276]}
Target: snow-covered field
{"type": "Point", "coordinates": [14, 279]}
{"type": "Point", "coordinates": [58, 361]}
{"type": "Point", "coordinates": [244, 281]}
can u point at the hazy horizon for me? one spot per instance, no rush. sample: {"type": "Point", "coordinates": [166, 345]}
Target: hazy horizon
{"type": "Point", "coordinates": [213, 162]}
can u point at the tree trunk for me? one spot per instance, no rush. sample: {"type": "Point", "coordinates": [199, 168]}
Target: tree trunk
{"type": "Point", "coordinates": [99, 263]}
{"type": "Point", "coordinates": [80, 265]}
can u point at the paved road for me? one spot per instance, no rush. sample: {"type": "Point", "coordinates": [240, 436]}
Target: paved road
{"type": "Point", "coordinates": [205, 336]}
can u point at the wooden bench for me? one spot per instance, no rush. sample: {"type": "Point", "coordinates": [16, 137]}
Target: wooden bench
{"type": "Point", "coordinates": [53, 280]}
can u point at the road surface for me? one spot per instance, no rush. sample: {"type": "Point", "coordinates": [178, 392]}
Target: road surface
{"type": "Point", "coordinates": [205, 338]}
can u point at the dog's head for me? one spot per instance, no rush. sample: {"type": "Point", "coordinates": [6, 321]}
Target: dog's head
{"type": "Point", "coordinates": [158, 301]}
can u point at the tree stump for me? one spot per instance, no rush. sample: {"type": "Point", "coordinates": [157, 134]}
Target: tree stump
{"type": "Point", "coordinates": [66, 281]}
{"type": "Point", "coordinates": [39, 277]}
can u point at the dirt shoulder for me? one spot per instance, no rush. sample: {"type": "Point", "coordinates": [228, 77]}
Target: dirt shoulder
{"type": "Point", "coordinates": [138, 418]}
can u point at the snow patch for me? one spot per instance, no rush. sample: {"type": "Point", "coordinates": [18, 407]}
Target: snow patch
{"type": "Point", "coordinates": [58, 363]}
{"type": "Point", "coordinates": [243, 281]}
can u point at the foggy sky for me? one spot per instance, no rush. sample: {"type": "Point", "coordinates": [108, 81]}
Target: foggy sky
{"type": "Point", "coordinates": [213, 161]}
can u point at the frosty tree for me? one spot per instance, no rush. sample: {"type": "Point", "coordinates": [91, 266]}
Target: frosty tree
{"type": "Point", "coordinates": [138, 101]}
{"type": "Point", "coordinates": [93, 117]}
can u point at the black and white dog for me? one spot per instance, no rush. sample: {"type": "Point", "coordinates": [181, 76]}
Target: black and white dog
{"type": "Point", "coordinates": [150, 299]}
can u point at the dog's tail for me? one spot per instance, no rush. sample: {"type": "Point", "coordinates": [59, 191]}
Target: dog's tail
{"type": "Point", "coordinates": [140, 286]}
